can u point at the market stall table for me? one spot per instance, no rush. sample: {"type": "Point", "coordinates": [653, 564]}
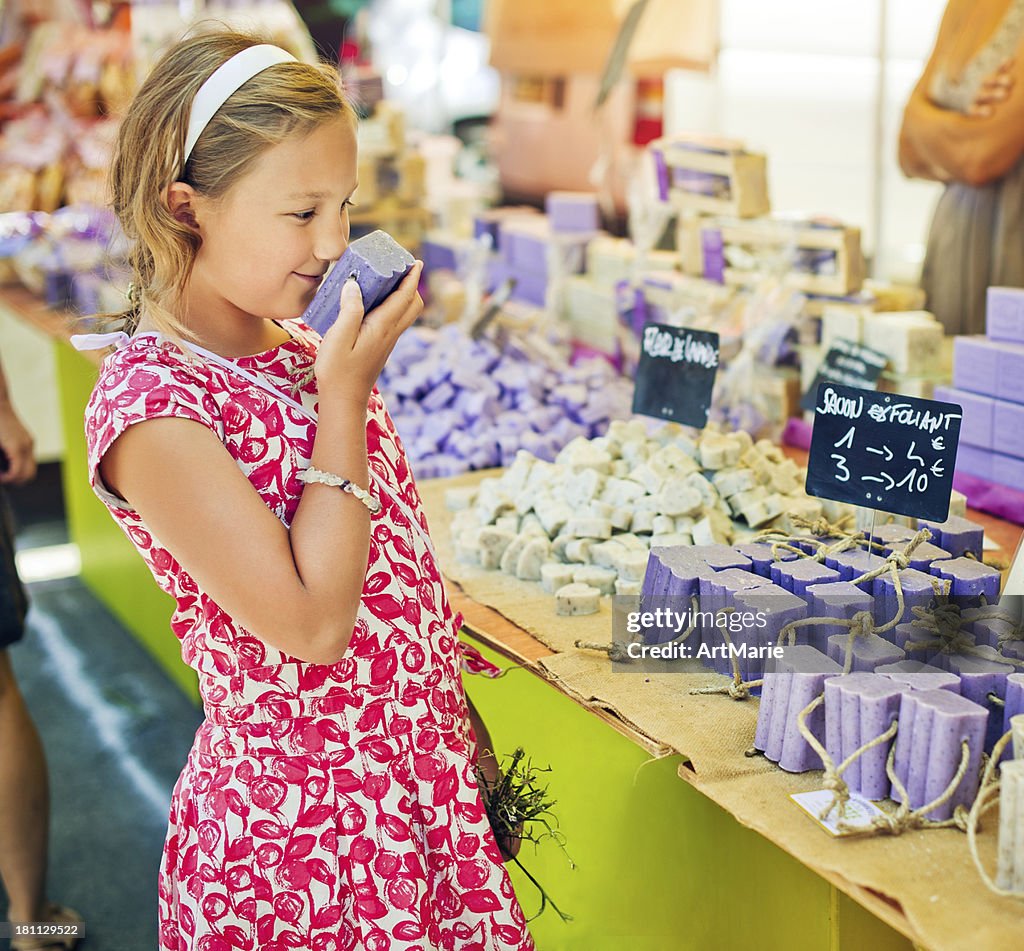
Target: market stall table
{"type": "Point", "coordinates": [692, 848]}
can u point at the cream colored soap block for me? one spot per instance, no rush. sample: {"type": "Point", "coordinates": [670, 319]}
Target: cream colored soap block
{"type": "Point", "coordinates": [577, 599]}
{"type": "Point", "coordinates": [842, 323]}
{"type": "Point", "coordinates": [554, 576]}
{"type": "Point", "coordinates": [603, 579]}
{"type": "Point", "coordinates": [912, 340]}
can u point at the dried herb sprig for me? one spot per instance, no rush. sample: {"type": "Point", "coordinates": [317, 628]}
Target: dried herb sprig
{"type": "Point", "coordinates": [516, 807]}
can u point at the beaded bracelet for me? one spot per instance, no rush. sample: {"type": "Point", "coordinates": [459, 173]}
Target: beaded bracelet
{"type": "Point", "coordinates": [313, 474]}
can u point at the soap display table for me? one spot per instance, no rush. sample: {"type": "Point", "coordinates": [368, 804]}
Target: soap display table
{"type": "Point", "coordinates": [728, 836]}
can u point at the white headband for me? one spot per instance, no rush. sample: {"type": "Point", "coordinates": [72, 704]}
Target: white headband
{"type": "Point", "coordinates": [222, 84]}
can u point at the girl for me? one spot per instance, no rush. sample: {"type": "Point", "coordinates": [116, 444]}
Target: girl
{"type": "Point", "coordinates": [329, 800]}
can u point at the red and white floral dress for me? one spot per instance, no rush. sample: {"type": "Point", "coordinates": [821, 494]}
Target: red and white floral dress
{"type": "Point", "coordinates": [322, 807]}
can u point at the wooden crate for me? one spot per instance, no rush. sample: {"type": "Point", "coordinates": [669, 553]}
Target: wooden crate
{"type": "Point", "coordinates": [762, 237]}
{"type": "Point", "coordinates": [743, 174]}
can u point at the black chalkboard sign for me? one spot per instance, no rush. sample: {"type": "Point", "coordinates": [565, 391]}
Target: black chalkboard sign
{"type": "Point", "coordinates": [848, 363]}
{"type": "Point", "coordinates": [676, 374]}
{"type": "Point", "coordinates": [884, 451]}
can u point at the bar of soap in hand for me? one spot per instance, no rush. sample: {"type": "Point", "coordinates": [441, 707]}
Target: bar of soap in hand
{"type": "Point", "coordinates": [378, 263]}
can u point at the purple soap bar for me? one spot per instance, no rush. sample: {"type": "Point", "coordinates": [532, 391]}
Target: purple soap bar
{"type": "Point", "coordinates": [853, 564]}
{"type": "Point", "coordinates": [918, 590]}
{"type": "Point", "coordinates": [1008, 470]}
{"type": "Point", "coordinates": [778, 607]}
{"type": "Point", "coordinates": [790, 685]}
{"type": "Point", "coordinates": [933, 726]}
{"type": "Point", "coordinates": [975, 365]}
{"type": "Point", "coordinates": [838, 599]}
{"type": "Point", "coordinates": [1010, 372]}
{"type": "Point", "coordinates": [1014, 699]}
{"type": "Point", "coordinates": [868, 652]}
{"type": "Point", "coordinates": [797, 576]}
{"type": "Point", "coordinates": [970, 579]}
{"type": "Point", "coordinates": [1008, 428]}
{"type": "Point", "coordinates": [760, 554]}
{"type": "Point", "coordinates": [858, 708]}
{"type": "Point", "coordinates": [958, 536]}
{"type": "Point", "coordinates": [919, 676]}
{"type": "Point", "coordinates": [978, 427]}
{"type": "Point", "coordinates": [1004, 314]}
{"type": "Point", "coordinates": [921, 558]}
{"type": "Point", "coordinates": [892, 534]}
{"type": "Point", "coordinates": [982, 678]}
{"type": "Point", "coordinates": [571, 212]}
{"type": "Point", "coordinates": [378, 262]}
{"type": "Point", "coordinates": [974, 461]}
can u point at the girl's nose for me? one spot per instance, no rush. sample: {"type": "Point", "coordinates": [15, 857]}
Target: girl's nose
{"type": "Point", "coordinates": [332, 239]}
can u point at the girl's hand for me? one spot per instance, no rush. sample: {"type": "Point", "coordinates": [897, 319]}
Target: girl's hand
{"type": "Point", "coordinates": [356, 347]}
{"type": "Point", "coordinates": [994, 91]}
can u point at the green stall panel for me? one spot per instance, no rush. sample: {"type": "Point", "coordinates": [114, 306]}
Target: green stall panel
{"type": "Point", "coordinates": [659, 866]}
{"type": "Point", "coordinates": [111, 567]}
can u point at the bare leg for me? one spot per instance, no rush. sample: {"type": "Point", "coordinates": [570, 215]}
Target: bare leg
{"type": "Point", "coordinates": [24, 803]}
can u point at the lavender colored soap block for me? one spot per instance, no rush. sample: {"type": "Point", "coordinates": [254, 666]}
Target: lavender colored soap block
{"type": "Point", "coordinates": [918, 591]}
{"type": "Point", "coordinates": [1004, 314]}
{"type": "Point", "coordinates": [858, 708]}
{"type": "Point", "coordinates": [570, 212]}
{"type": "Point", "coordinates": [934, 724]}
{"type": "Point", "coordinates": [1014, 699]}
{"type": "Point", "coordinates": [868, 652]}
{"type": "Point", "coordinates": [718, 590]}
{"type": "Point", "coordinates": [797, 576]}
{"type": "Point", "coordinates": [760, 554]}
{"type": "Point", "coordinates": [837, 599]}
{"type": "Point", "coordinates": [978, 427]}
{"type": "Point", "coordinates": [919, 676]}
{"type": "Point", "coordinates": [982, 679]}
{"type": "Point", "coordinates": [1008, 428]}
{"type": "Point", "coordinates": [774, 607]}
{"type": "Point", "coordinates": [975, 364]}
{"type": "Point", "coordinates": [974, 461]}
{"type": "Point", "coordinates": [853, 564]}
{"type": "Point", "coordinates": [921, 558]}
{"type": "Point", "coordinates": [378, 262]}
{"type": "Point", "coordinates": [790, 685]}
{"type": "Point", "coordinates": [1010, 372]}
{"type": "Point", "coordinates": [970, 579]}
{"type": "Point", "coordinates": [959, 536]}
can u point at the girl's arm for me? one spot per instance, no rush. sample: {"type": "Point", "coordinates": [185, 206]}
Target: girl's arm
{"type": "Point", "coordinates": [487, 762]}
{"type": "Point", "coordinates": [299, 589]}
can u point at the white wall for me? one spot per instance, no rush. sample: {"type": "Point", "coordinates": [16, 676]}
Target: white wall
{"type": "Point", "coordinates": [800, 80]}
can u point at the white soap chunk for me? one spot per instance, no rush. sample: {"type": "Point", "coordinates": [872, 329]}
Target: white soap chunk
{"type": "Point", "coordinates": [680, 497]}
{"type": "Point", "coordinates": [633, 565]}
{"type": "Point", "coordinates": [621, 518]}
{"type": "Point", "coordinates": [532, 558]}
{"type": "Point", "coordinates": [604, 554]}
{"type": "Point", "coordinates": [623, 587]}
{"type": "Point", "coordinates": [554, 576]}
{"type": "Point", "coordinates": [601, 578]}
{"type": "Point", "coordinates": [577, 599]}
{"type": "Point", "coordinates": [493, 541]}
{"type": "Point", "coordinates": [578, 550]}
{"type": "Point", "coordinates": [643, 522]}
{"type": "Point", "coordinates": [730, 482]}
{"type": "Point", "coordinates": [510, 557]}
{"type": "Point", "coordinates": [462, 498]}
{"type": "Point", "coordinates": [590, 527]}
{"type": "Point", "coordinates": [671, 540]}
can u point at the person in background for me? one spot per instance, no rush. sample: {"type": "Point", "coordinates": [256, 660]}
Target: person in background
{"type": "Point", "coordinates": [964, 126]}
{"type": "Point", "coordinates": [24, 787]}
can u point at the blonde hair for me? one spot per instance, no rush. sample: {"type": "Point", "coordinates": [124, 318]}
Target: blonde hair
{"type": "Point", "coordinates": [288, 99]}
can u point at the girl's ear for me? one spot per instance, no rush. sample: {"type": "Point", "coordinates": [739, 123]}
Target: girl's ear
{"type": "Point", "coordinates": [181, 200]}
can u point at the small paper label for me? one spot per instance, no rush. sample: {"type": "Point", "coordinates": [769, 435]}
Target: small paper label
{"type": "Point", "coordinates": [858, 814]}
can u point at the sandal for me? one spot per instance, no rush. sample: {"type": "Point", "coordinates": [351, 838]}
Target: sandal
{"type": "Point", "coordinates": [53, 914]}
